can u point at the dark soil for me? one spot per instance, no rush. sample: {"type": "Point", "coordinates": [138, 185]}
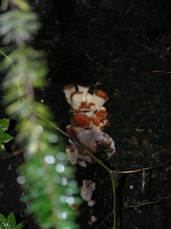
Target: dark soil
{"type": "Point", "coordinates": [123, 48]}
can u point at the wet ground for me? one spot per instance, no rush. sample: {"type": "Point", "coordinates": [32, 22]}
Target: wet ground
{"type": "Point", "coordinates": [123, 48]}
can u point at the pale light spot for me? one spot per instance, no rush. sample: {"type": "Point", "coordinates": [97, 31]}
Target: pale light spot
{"type": "Point", "coordinates": [21, 179]}
{"type": "Point", "coordinates": [70, 200]}
{"type": "Point", "coordinates": [63, 199]}
{"type": "Point", "coordinates": [40, 129]}
{"type": "Point", "coordinates": [49, 159]}
{"type": "Point", "coordinates": [69, 192]}
{"type": "Point", "coordinates": [60, 168]}
{"type": "Point", "coordinates": [131, 187]}
{"type": "Point", "coordinates": [63, 215]}
{"type": "Point", "coordinates": [34, 54]}
{"type": "Point", "coordinates": [64, 181]}
{"type": "Point", "coordinates": [52, 138]}
{"type": "Point", "coordinates": [61, 156]}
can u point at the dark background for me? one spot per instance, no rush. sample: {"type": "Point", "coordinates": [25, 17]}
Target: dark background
{"type": "Point", "coordinates": [124, 48]}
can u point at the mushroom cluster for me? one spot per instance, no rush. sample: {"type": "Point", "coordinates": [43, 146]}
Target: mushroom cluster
{"type": "Point", "coordinates": [87, 108]}
{"type": "Point", "coordinates": [89, 117]}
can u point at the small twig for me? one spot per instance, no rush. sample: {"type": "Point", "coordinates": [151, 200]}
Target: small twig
{"type": "Point", "coordinates": [89, 57]}
{"type": "Point", "coordinates": [129, 9]}
{"type": "Point", "coordinates": [159, 71]}
{"type": "Point", "coordinates": [135, 205]}
{"type": "Point", "coordinates": [146, 202]}
{"type": "Point", "coordinates": [6, 155]}
{"type": "Point", "coordinates": [161, 165]}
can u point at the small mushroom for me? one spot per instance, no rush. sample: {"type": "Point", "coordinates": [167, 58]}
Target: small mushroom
{"type": "Point", "coordinates": [89, 114]}
{"type": "Point", "coordinates": [76, 99]}
{"type": "Point", "coordinates": [86, 107]}
{"type": "Point", "coordinates": [68, 90]}
{"type": "Point", "coordinates": [92, 220]}
{"type": "Point", "coordinates": [77, 156]}
{"type": "Point", "coordinates": [80, 122]}
{"type": "Point", "coordinates": [72, 154]}
{"type": "Point", "coordinates": [84, 90]}
{"type": "Point", "coordinates": [83, 106]}
{"type": "Point", "coordinates": [95, 124]}
{"type": "Point", "coordinates": [99, 98]}
{"type": "Point", "coordinates": [97, 141]}
{"type": "Point", "coordinates": [91, 106]}
{"type": "Point", "coordinates": [101, 113]}
{"type": "Point", "coordinates": [70, 131]}
{"type": "Point", "coordinates": [87, 191]}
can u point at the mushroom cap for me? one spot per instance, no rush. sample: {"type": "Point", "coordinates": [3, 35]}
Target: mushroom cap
{"type": "Point", "coordinates": [76, 99]}
{"type": "Point", "coordinates": [68, 90]}
{"type": "Point", "coordinates": [87, 190]}
{"type": "Point", "coordinates": [94, 139]}
{"type": "Point", "coordinates": [95, 124]}
{"type": "Point", "coordinates": [106, 122]}
{"type": "Point", "coordinates": [101, 113]}
{"type": "Point", "coordinates": [69, 86]}
{"type": "Point", "coordinates": [75, 93]}
{"type": "Point", "coordinates": [91, 106]}
{"type": "Point", "coordinates": [89, 113]}
{"type": "Point", "coordinates": [83, 89]}
{"type": "Point", "coordinates": [99, 98]}
{"type": "Point", "coordinates": [83, 105]}
{"type": "Point", "coordinates": [96, 121]}
{"type": "Point", "coordinates": [76, 96]}
{"type": "Point", "coordinates": [70, 131]}
{"type": "Point", "coordinates": [80, 120]}
{"type": "Point", "coordinates": [101, 93]}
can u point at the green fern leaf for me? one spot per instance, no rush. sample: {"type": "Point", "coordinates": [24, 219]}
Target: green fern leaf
{"type": "Point", "coordinates": [4, 137]}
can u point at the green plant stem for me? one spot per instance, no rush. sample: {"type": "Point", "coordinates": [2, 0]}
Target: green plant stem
{"type": "Point", "coordinates": [114, 200]}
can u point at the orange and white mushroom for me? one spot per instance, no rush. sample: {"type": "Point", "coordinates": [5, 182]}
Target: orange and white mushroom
{"type": "Point", "coordinates": [70, 131]}
{"type": "Point", "coordinates": [84, 90]}
{"type": "Point", "coordinates": [99, 98]}
{"type": "Point", "coordinates": [89, 117]}
{"type": "Point", "coordinates": [76, 99]}
{"type": "Point", "coordinates": [89, 113]}
{"type": "Point", "coordinates": [68, 90]}
{"type": "Point", "coordinates": [101, 113]}
{"type": "Point", "coordinates": [96, 124]}
{"type": "Point", "coordinates": [80, 122]}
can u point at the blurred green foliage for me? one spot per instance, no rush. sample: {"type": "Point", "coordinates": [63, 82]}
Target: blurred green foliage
{"type": "Point", "coordinates": [47, 175]}
{"type": "Point", "coordinates": [9, 222]}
